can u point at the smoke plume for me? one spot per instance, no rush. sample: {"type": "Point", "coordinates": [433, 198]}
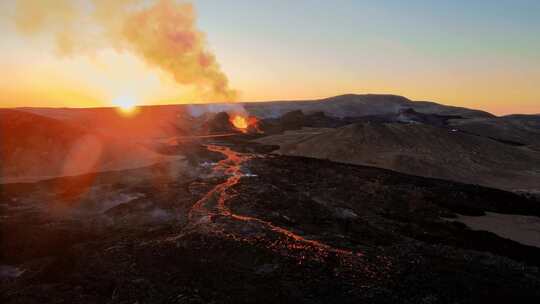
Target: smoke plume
{"type": "Point", "coordinates": [163, 34]}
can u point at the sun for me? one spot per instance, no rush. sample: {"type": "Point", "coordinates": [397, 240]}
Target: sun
{"type": "Point", "coordinates": [126, 105]}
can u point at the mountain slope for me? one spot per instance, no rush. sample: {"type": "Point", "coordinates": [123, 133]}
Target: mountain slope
{"type": "Point", "coordinates": [33, 147]}
{"type": "Point", "coordinates": [146, 122]}
{"type": "Point", "coordinates": [352, 105]}
{"type": "Point", "coordinates": [420, 149]}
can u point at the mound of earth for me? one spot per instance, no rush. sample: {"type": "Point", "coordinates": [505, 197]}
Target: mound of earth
{"type": "Point", "coordinates": [217, 123]}
{"type": "Point", "coordinates": [419, 149]}
{"type": "Point", "coordinates": [296, 120]}
{"type": "Point", "coordinates": [36, 147]}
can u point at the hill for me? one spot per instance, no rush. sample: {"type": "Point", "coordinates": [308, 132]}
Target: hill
{"type": "Point", "coordinates": [419, 149]}
{"type": "Point", "coordinates": [35, 147]}
{"type": "Point", "coordinates": [352, 105]}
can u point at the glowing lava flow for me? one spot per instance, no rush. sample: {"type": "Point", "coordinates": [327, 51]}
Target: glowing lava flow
{"type": "Point", "coordinates": [214, 202]}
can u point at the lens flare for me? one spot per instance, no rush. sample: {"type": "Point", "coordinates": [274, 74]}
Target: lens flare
{"type": "Point", "coordinates": [125, 105]}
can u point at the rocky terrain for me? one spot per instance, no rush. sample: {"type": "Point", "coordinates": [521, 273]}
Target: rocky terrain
{"type": "Point", "coordinates": [245, 227]}
{"type": "Point", "coordinates": [418, 138]}
{"type": "Point", "coordinates": [519, 130]}
{"type": "Point", "coordinates": [223, 218]}
{"type": "Point", "coordinates": [419, 149]}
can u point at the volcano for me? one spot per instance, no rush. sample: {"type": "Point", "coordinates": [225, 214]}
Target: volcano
{"type": "Point", "coordinates": [356, 198]}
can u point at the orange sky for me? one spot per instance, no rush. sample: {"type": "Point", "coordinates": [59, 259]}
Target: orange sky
{"type": "Point", "coordinates": [276, 66]}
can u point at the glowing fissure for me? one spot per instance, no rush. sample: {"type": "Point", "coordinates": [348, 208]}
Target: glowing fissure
{"type": "Point", "coordinates": [204, 212]}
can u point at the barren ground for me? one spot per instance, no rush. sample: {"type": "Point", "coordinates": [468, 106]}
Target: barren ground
{"type": "Point", "coordinates": [234, 224]}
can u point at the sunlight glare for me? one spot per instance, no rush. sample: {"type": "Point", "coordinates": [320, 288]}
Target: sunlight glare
{"type": "Point", "coordinates": [125, 104]}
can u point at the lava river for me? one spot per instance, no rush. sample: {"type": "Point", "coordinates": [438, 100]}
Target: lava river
{"type": "Point", "coordinates": [212, 209]}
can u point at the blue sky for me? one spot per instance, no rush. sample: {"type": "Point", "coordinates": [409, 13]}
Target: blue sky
{"type": "Point", "coordinates": [474, 47]}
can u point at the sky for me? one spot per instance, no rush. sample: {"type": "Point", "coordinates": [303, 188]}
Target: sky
{"type": "Point", "coordinates": [478, 54]}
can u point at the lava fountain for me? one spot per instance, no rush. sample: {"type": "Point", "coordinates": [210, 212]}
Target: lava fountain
{"type": "Point", "coordinates": [240, 122]}
{"type": "Point", "coordinates": [244, 123]}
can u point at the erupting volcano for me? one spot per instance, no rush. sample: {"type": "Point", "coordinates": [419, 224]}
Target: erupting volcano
{"type": "Point", "coordinates": [133, 171]}
{"type": "Point", "coordinates": [239, 122]}
{"type": "Point", "coordinates": [212, 201]}
{"type": "Point", "coordinates": [244, 123]}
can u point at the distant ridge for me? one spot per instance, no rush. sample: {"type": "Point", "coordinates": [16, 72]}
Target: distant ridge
{"type": "Point", "coordinates": [360, 105]}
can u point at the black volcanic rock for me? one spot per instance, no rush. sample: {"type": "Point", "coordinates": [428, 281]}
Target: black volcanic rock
{"type": "Point", "coordinates": [383, 241]}
{"type": "Point", "coordinates": [296, 120]}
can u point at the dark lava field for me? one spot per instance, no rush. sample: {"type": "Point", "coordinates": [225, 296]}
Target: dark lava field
{"type": "Point", "coordinates": [236, 224]}
{"type": "Point", "coordinates": [350, 199]}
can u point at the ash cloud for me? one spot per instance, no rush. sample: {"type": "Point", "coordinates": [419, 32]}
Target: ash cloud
{"type": "Point", "coordinates": [163, 34]}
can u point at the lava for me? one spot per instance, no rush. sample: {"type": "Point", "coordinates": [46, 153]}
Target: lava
{"type": "Point", "coordinates": [244, 123]}
{"type": "Point", "coordinates": [214, 204]}
{"type": "Point", "coordinates": [239, 122]}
